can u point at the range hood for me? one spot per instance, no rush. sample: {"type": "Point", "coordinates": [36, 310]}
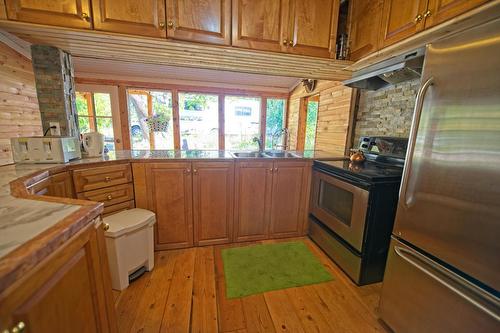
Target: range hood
{"type": "Point", "coordinates": [405, 67]}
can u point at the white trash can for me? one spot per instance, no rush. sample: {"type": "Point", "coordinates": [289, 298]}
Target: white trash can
{"type": "Point", "coordinates": [129, 243]}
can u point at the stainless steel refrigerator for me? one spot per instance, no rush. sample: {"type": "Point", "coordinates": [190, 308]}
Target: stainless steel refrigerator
{"type": "Point", "coordinates": [443, 269]}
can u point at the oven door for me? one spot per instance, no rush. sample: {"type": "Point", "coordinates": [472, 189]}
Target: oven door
{"type": "Point", "coordinates": [340, 206]}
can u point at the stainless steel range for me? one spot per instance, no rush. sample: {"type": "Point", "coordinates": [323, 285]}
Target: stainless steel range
{"type": "Point", "coordinates": [353, 206]}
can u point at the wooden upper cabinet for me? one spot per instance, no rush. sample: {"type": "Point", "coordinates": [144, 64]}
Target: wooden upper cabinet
{"type": "Point", "coordinates": [260, 24]}
{"type": "Point", "coordinates": [3, 10]}
{"type": "Point", "coordinates": [207, 21]}
{"type": "Point", "coordinates": [401, 19]}
{"type": "Point", "coordinates": [289, 198]}
{"type": "Point", "coordinates": [213, 194]}
{"type": "Point", "coordinates": [442, 10]}
{"type": "Point", "coordinates": [69, 13]}
{"type": "Point", "coordinates": [364, 27]}
{"type": "Point", "coordinates": [134, 17]}
{"type": "Point", "coordinates": [169, 190]}
{"type": "Point", "coordinates": [313, 27]}
{"type": "Point", "coordinates": [253, 186]}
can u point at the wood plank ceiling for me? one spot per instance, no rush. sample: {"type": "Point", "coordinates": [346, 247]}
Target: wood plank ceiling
{"type": "Point", "coordinates": [111, 46]}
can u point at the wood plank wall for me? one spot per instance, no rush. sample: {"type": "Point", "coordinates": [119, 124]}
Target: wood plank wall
{"type": "Point", "coordinates": [333, 115]}
{"type": "Point", "coordinates": [19, 112]}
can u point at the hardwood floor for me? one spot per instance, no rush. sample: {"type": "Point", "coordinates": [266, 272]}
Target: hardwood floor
{"type": "Point", "coordinates": [186, 293]}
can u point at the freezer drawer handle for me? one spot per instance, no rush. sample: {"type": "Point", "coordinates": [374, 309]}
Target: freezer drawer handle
{"type": "Point", "coordinates": [405, 254]}
{"type": "Point", "coordinates": [413, 137]}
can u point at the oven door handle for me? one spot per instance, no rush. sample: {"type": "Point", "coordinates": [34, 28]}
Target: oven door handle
{"type": "Point", "coordinates": [352, 182]}
{"type": "Point", "coordinates": [412, 140]}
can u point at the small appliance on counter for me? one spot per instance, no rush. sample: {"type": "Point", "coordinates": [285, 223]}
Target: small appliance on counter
{"type": "Point", "coordinates": [353, 204]}
{"type": "Point", "coordinates": [93, 144]}
{"type": "Point", "coordinates": [45, 149]}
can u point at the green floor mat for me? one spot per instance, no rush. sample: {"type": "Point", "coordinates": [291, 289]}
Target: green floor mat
{"type": "Point", "coordinates": [258, 268]}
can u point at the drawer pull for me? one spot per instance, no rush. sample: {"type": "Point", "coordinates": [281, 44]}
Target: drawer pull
{"type": "Point", "coordinates": [19, 328]}
{"type": "Point", "coordinates": [105, 226]}
{"type": "Point", "coordinates": [109, 197]}
{"type": "Point", "coordinates": [107, 179]}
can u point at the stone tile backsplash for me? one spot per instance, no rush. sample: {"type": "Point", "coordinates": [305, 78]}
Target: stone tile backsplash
{"type": "Point", "coordinates": [387, 111]}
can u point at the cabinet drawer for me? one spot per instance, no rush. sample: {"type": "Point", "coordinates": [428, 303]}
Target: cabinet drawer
{"type": "Point", "coordinates": [109, 210]}
{"type": "Point", "coordinates": [110, 195]}
{"type": "Point", "coordinates": [95, 178]}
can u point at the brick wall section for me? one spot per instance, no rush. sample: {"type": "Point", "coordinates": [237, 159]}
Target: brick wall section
{"type": "Point", "coordinates": [19, 113]}
{"type": "Point", "coordinates": [55, 87]}
{"type": "Point", "coordinates": [387, 111]}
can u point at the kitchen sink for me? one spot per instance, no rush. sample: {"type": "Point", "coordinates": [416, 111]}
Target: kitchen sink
{"type": "Point", "coordinates": [280, 154]}
{"type": "Point", "coordinates": [249, 154]}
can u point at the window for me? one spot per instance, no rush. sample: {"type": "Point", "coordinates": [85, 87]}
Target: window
{"type": "Point", "coordinates": [94, 115]}
{"type": "Point", "coordinates": [150, 119]}
{"type": "Point", "coordinates": [199, 121]}
{"type": "Point", "coordinates": [275, 123]}
{"type": "Point", "coordinates": [242, 122]}
{"type": "Point", "coordinates": [311, 122]}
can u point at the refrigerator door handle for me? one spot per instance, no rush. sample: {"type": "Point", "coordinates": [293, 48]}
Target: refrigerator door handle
{"type": "Point", "coordinates": [412, 139]}
{"type": "Point", "coordinates": [414, 258]}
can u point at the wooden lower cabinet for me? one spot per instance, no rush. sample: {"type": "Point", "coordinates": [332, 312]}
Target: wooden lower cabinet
{"type": "Point", "coordinates": [289, 198]}
{"type": "Point", "coordinates": [253, 190]}
{"type": "Point", "coordinates": [56, 185]}
{"type": "Point", "coordinates": [169, 190]}
{"type": "Point", "coordinates": [271, 199]}
{"type": "Point", "coordinates": [70, 291]}
{"type": "Point", "coordinates": [213, 189]}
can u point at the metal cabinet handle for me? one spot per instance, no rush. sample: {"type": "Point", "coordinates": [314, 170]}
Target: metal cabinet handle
{"type": "Point", "coordinates": [19, 328]}
{"type": "Point", "coordinates": [109, 197]}
{"type": "Point", "coordinates": [418, 18]}
{"type": "Point", "coordinates": [427, 13]}
{"type": "Point", "coordinates": [107, 179]}
{"type": "Point", "coordinates": [85, 17]}
{"type": "Point", "coordinates": [275, 169]}
{"type": "Point", "coordinates": [414, 259]}
{"type": "Point", "coordinates": [188, 171]}
{"type": "Point", "coordinates": [105, 226]}
{"type": "Point", "coordinates": [162, 25]}
{"type": "Point", "coordinates": [271, 169]}
{"type": "Point", "coordinates": [170, 24]}
{"type": "Point", "coordinates": [413, 137]}
{"type": "Point", "coordinates": [285, 42]}
{"type": "Point", "coordinates": [290, 42]}
{"type": "Point", "coordinates": [195, 171]}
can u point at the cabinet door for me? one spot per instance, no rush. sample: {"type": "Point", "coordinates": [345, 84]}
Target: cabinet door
{"type": "Point", "coordinates": [61, 185]}
{"type": "Point", "coordinates": [260, 24]}
{"type": "Point", "coordinates": [401, 19]}
{"type": "Point", "coordinates": [442, 10]}
{"type": "Point", "coordinates": [69, 292]}
{"type": "Point", "coordinates": [253, 183]}
{"type": "Point", "coordinates": [213, 193]}
{"type": "Point", "coordinates": [169, 190]}
{"type": "Point", "coordinates": [207, 21]}
{"type": "Point", "coordinates": [313, 27]}
{"type": "Point", "coordinates": [69, 13]}
{"type": "Point", "coordinates": [134, 17]}
{"type": "Point", "coordinates": [364, 27]}
{"type": "Point", "coordinates": [289, 198]}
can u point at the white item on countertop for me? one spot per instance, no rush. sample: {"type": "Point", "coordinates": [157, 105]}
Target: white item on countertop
{"type": "Point", "coordinates": [93, 144]}
{"type": "Point", "coordinates": [129, 243]}
{"type": "Point", "coordinates": [45, 149]}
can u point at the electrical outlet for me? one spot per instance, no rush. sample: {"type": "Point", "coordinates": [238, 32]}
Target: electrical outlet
{"type": "Point", "coordinates": [55, 131]}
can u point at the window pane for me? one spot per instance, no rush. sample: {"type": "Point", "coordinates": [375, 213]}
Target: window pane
{"type": "Point", "coordinates": [105, 127]}
{"type": "Point", "coordinates": [199, 121]}
{"type": "Point", "coordinates": [275, 122]}
{"type": "Point", "coordinates": [102, 103]}
{"type": "Point", "coordinates": [242, 122]}
{"type": "Point", "coordinates": [81, 104]}
{"type": "Point", "coordinates": [84, 124]}
{"type": "Point", "coordinates": [311, 122]}
{"type": "Point", "coordinates": [157, 106]}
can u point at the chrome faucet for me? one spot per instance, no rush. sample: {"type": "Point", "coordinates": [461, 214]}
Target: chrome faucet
{"type": "Point", "coordinates": [281, 132]}
{"type": "Point", "coordinates": [259, 141]}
